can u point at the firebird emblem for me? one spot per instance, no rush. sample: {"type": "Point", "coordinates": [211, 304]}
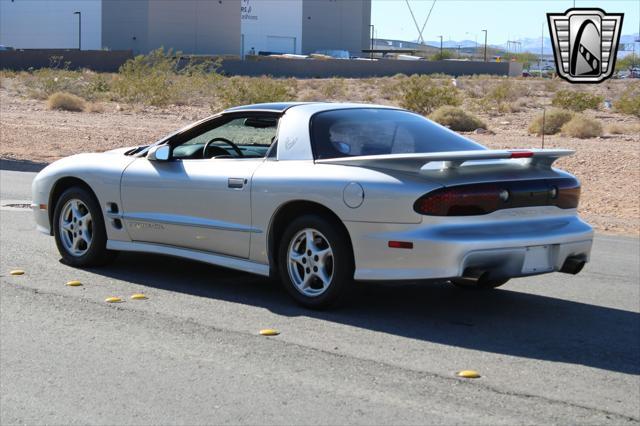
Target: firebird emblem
{"type": "Point", "coordinates": [585, 43]}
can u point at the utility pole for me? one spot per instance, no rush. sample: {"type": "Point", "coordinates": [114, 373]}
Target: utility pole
{"type": "Point", "coordinates": [79, 29]}
{"type": "Point", "coordinates": [373, 33]}
{"type": "Point", "coordinates": [541, 50]}
{"type": "Point", "coordinates": [440, 47]}
{"type": "Point", "coordinates": [485, 45]}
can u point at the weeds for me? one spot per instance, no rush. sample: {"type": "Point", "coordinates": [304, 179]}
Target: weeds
{"type": "Point", "coordinates": [576, 101]}
{"type": "Point", "coordinates": [457, 119]}
{"type": "Point", "coordinates": [242, 91]}
{"type": "Point", "coordinates": [582, 127]}
{"type": "Point", "coordinates": [422, 94]}
{"type": "Point", "coordinates": [629, 100]}
{"type": "Point", "coordinates": [554, 119]}
{"type": "Point", "coordinates": [65, 102]}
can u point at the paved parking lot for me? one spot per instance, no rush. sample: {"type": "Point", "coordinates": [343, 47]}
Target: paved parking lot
{"type": "Point", "coordinates": [550, 349]}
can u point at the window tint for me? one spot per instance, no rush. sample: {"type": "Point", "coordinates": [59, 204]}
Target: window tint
{"type": "Point", "coordinates": [369, 131]}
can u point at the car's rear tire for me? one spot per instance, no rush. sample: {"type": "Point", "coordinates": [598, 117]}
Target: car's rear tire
{"type": "Point", "coordinates": [79, 230]}
{"type": "Point", "coordinates": [477, 285]}
{"type": "Point", "coordinates": [315, 261]}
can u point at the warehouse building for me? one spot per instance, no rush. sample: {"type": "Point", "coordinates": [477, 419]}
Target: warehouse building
{"type": "Point", "coordinates": [191, 26]}
{"type": "Point", "coordinates": [305, 26]}
{"type": "Point", "coordinates": [207, 27]}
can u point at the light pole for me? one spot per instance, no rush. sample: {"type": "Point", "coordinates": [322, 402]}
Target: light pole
{"type": "Point", "coordinates": [485, 45]}
{"type": "Point", "coordinates": [440, 47]}
{"type": "Point", "coordinates": [79, 29]}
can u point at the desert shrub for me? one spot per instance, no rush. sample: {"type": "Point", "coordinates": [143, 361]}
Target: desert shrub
{"type": "Point", "coordinates": [623, 129]}
{"type": "Point", "coordinates": [147, 78]}
{"type": "Point", "coordinates": [333, 88]}
{"type": "Point", "coordinates": [42, 83]}
{"type": "Point", "coordinates": [422, 94]}
{"type": "Point", "coordinates": [582, 127]}
{"type": "Point", "coordinates": [253, 90]}
{"type": "Point", "coordinates": [506, 91]}
{"type": "Point", "coordinates": [576, 101]}
{"type": "Point", "coordinates": [554, 119]}
{"type": "Point", "coordinates": [629, 100]}
{"type": "Point", "coordinates": [160, 78]}
{"type": "Point", "coordinates": [457, 119]}
{"type": "Point", "coordinates": [94, 107]}
{"type": "Point", "coordinates": [65, 101]}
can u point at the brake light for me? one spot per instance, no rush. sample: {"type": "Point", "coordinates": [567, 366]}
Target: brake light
{"type": "Point", "coordinates": [465, 200]}
{"type": "Point", "coordinates": [478, 199]}
{"type": "Point", "coordinates": [521, 154]}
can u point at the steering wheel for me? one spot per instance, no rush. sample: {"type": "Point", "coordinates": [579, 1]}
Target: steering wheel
{"type": "Point", "coordinates": [227, 141]}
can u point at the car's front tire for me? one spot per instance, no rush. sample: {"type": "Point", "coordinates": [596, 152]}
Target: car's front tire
{"type": "Point", "coordinates": [79, 229]}
{"type": "Point", "coordinates": [315, 261]}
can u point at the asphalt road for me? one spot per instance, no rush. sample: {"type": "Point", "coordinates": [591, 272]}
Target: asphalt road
{"type": "Point", "coordinates": [550, 349]}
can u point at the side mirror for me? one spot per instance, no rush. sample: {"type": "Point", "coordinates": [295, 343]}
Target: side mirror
{"type": "Point", "coordinates": [159, 153]}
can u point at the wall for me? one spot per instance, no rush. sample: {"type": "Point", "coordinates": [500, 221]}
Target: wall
{"type": "Point", "coordinates": [336, 25]}
{"type": "Point", "coordinates": [97, 60]}
{"type": "Point", "coordinates": [195, 26]}
{"type": "Point", "coordinates": [271, 26]}
{"type": "Point", "coordinates": [125, 25]}
{"type": "Point", "coordinates": [362, 69]}
{"type": "Point", "coordinates": [35, 24]}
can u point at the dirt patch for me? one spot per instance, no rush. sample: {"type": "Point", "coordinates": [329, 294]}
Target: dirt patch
{"type": "Point", "coordinates": [608, 167]}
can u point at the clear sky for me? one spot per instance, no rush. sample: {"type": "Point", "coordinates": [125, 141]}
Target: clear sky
{"type": "Point", "coordinates": [504, 19]}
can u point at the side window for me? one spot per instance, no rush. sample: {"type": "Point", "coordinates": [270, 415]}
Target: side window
{"type": "Point", "coordinates": [243, 137]}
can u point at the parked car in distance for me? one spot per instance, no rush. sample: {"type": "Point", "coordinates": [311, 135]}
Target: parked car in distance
{"type": "Point", "coordinates": [320, 195]}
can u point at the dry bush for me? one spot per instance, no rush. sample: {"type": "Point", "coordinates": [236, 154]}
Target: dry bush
{"type": "Point", "coordinates": [457, 119]}
{"type": "Point", "coordinates": [42, 83]}
{"type": "Point", "coordinates": [94, 107]}
{"type": "Point", "coordinates": [576, 101]}
{"type": "Point", "coordinates": [254, 90]}
{"type": "Point", "coordinates": [422, 94]}
{"type": "Point", "coordinates": [65, 101]}
{"type": "Point", "coordinates": [554, 119]}
{"type": "Point", "coordinates": [629, 100]}
{"type": "Point", "coordinates": [623, 129]}
{"type": "Point", "coordinates": [333, 88]}
{"type": "Point", "coordinates": [583, 127]}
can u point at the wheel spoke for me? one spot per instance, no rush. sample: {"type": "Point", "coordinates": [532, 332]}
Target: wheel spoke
{"type": "Point", "coordinates": [324, 277]}
{"type": "Point", "coordinates": [308, 235]}
{"type": "Point", "coordinates": [67, 226]}
{"type": "Point", "coordinates": [297, 258]}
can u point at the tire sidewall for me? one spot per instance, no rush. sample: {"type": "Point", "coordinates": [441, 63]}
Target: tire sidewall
{"type": "Point", "coordinates": [341, 281]}
{"type": "Point", "coordinates": [97, 250]}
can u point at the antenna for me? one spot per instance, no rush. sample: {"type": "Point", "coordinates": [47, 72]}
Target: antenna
{"type": "Point", "coordinates": [544, 110]}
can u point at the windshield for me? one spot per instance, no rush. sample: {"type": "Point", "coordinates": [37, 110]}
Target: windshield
{"type": "Point", "coordinates": [372, 131]}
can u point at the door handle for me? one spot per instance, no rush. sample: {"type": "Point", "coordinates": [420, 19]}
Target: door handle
{"type": "Point", "coordinates": [236, 183]}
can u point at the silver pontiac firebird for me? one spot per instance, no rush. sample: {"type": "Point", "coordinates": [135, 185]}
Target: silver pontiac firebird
{"type": "Point", "coordinates": [320, 195]}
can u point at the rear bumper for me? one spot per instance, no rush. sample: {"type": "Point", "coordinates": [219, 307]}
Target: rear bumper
{"type": "Point", "coordinates": [508, 248]}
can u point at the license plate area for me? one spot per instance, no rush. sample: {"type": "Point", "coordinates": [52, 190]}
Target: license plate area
{"type": "Point", "coordinates": [537, 259]}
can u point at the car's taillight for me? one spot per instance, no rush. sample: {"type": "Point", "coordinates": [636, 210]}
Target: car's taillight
{"type": "Point", "coordinates": [478, 199]}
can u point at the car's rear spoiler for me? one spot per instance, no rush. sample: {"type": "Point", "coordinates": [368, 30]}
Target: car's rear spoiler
{"type": "Point", "coordinates": [451, 159]}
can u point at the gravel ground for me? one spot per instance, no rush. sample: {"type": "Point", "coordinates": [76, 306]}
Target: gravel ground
{"type": "Point", "coordinates": [608, 166]}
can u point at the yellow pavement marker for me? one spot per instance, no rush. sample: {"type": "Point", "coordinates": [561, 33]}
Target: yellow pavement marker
{"type": "Point", "coordinates": [113, 300]}
{"type": "Point", "coordinates": [17, 272]}
{"type": "Point", "coordinates": [74, 283]}
{"type": "Point", "coordinates": [468, 374]}
{"type": "Point", "coordinates": [269, 332]}
{"type": "Point", "coordinates": [138, 296]}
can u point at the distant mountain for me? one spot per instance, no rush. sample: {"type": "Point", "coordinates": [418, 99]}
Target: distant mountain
{"type": "Point", "coordinates": [532, 44]}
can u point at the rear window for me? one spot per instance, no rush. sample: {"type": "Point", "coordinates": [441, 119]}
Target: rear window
{"type": "Point", "coordinates": [369, 131]}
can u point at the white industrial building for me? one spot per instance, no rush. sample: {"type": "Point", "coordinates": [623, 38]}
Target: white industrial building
{"type": "Point", "coordinates": [191, 26]}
